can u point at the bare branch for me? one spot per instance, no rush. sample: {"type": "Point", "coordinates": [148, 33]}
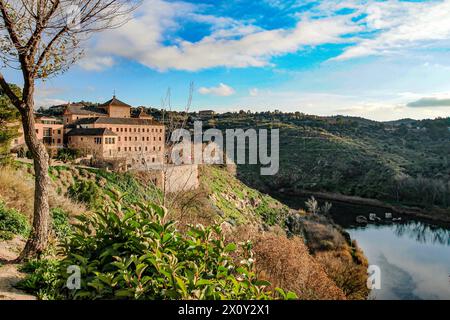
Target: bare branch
{"type": "Point", "coordinates": [9, 24]}
{"type": "Point", "coordinates": [11, 95]}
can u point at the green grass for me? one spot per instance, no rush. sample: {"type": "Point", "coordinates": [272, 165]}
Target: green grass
{"type": "Point", "coordinates": [12, 222]}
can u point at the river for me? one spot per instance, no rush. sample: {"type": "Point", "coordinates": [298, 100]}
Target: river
{"type": "Point", "coordinates": [413, 255]}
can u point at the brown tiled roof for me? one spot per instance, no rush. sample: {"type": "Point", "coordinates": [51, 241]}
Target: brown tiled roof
{"type": "Point", "coordinates": [82, 109]}
{"type": "Point", "coordinates": [91, 132]}
{"type": "Point", "coordinates": [125, 121]}
{"type": "Point", "coordinates": [114, 102]}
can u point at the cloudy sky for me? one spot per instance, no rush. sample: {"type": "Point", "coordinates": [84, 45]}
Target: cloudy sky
{"type": "Point", "coordinates": [381, 60]}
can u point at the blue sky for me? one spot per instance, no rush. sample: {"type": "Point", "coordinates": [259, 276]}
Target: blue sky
{"type": "Point", "coordinates": [354, 57]}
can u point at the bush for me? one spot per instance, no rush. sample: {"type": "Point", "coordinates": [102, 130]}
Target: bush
{"type": "Point", "coordinates": [67, 155]}
{"type": "Point", "coordinates": [134, 253]}
{"type": "Point", "coordinates": [43, 279]}
{"type": "Point", "coordinates": [60, 223]}
{"type": "Point", "coordinates": [6, 235]}
{"type": "Point", "coordinates": [13, 222]}
{"type": "Point", "coordinates": [85, 191]}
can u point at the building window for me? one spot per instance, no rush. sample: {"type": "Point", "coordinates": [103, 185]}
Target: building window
{"type": "Point", "coordinates": [154, 138]}
{"type": "Point", "coordinates": [160, 130]}
{"type": "Point", "coordinates": [118, 149]}
{"type": "Point", "coordinates": [148, 130]}
{"type": "Point", "coordinates": [143, 138]}
{"type": "Point", "coordinates": [118, 138]}
{"type": "Point", "coordinates": [126, 129]}
{"type": "Point", "coordinates": [97, 140]}
{"type": "Point", "coordinates": [140, 149]}
{"type": "Point", "coordinates": [59, 131]}
{"type": "Point", "coordinates": [153, 160]}
{"type": "Point", "coordinates": [37, 130]}
{"type": "Point", "coordinates": [148, 138]}
{"type": "Point", "coordinates": [117, 129]}
{"type": "Point", "coordinates": [146, 149]}
{"type": "Point", "coordinates": [121, 129]}
{"type": "Point", "coordinates": [160, 138]}
{"type": "Point", "coordinates": [159, 148]}
{"type": "Point", "coordinates": [154, 148]}
{"type": "Point", "coordinates": [125, 138]}
{"type": "Point", "coordinates": [135, 138]}
{"type": "Point", "coordinates": [135, 148]}
{"type": "Point", "coordinates": [59, 141]}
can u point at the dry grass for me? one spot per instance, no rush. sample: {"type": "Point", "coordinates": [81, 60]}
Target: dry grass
{"type": "Point", "coordinates": [349, 275]}
{"type": "Point", "coordinates": [17, 190]}
{"type": "Point", "coordinates": [323, 236]}
{"type": "Point", "coordinates": [287, 264]}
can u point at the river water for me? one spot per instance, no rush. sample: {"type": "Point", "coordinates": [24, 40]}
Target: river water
{"type": "Point", "coordinates": [413, 256]}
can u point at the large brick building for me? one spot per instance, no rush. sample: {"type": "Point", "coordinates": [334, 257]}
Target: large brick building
{"type": "Point", "coordinates": [48, 129]}
{"type": "Point", "coordinates": [109, 132]}
{"type": "Point", "coordinates": [105, 132]}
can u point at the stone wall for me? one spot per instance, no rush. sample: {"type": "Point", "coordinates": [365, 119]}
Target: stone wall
{"type": "Point", "coordinates": [181, 178]}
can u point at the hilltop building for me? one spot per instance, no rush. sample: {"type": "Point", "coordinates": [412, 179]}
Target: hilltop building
{"type": "Point", "coordinates": [108, 135]}
{"type": "Point", "coordinates": [109, 132]}
{"type": "Point", "coordinates": [48, 129]}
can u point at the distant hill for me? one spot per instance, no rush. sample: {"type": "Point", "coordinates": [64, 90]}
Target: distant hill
{"type": "Point", "coordinates": [404, 161]}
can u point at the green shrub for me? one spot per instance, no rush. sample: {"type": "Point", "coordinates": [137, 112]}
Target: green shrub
{"type": "Point", "coordinates": [86, 191]}
{"type": "Point", "coordinates": [60, 223]}
{"type": "Point", "coordinates": [43, 279]}
{"type": "Point", "coordinates": [12, 221]}
{"type": "Point", "coordinates": [66, 155]}
{"type": "Point", "coordinates": [134, 253]}
{"type": "Point", "coordinates": [6, 235]}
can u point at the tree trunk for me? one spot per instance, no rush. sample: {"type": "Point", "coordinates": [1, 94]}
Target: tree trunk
{"type": "Point", "coordinates": [38, 239]}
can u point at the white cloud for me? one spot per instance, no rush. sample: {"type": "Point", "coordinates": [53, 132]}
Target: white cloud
{"type": "Point", "coordinates": [231, 43]}
{"type": "Point", "coordinates": [402, 25]}
{"type": "Point", "coordinates": [96, 63]}
{"type": "Point", "coordinates": [222, 90]}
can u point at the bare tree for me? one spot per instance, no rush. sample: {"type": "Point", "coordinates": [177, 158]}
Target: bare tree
{"type": "Point", "coordinates": [42, 38]}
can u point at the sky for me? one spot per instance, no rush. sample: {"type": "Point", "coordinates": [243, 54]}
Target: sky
{"type": "Point", "coordinates": [381, 60]}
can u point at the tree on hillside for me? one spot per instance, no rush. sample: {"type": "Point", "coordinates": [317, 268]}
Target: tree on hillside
{"type": "Point", "coordinates": [42, 38]}
{"type": "Point", "coordinates": [8, 116]}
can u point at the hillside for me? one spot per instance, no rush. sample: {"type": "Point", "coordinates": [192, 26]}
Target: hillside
{"type": "Point", "coordinates": [312, 263]}
{"type": "Point", "coordinates": [402, 162]}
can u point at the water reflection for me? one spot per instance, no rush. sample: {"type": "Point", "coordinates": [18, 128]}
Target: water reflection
{"type": "Point", "coordinates": [414, 259]}
{"type": "Point", "coordinates": [423, 233]}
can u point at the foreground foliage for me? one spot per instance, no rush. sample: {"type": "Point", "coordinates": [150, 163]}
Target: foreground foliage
{"type": "Point", "coordinates": [134, 253]}
{"type": "Point", "coordinates": [12, 223]}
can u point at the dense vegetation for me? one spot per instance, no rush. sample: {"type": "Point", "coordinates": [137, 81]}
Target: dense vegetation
{"type": "Point", "coordinates": [136, 253]}
{"type": "Point", "coordinates": [8, 116]}
{"type": "Point", "coordinates": [400, 162]}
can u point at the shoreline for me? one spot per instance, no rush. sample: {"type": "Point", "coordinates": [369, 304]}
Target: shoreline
{"type": "Point", "coordinates": [413, 212]}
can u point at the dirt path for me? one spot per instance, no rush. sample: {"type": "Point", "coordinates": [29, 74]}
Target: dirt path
{"type": "Point", "coordinates": [9, 275]}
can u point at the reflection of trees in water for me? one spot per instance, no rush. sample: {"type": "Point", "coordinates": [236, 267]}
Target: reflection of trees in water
{"type": "Point", "coordinates": [423, 233]}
